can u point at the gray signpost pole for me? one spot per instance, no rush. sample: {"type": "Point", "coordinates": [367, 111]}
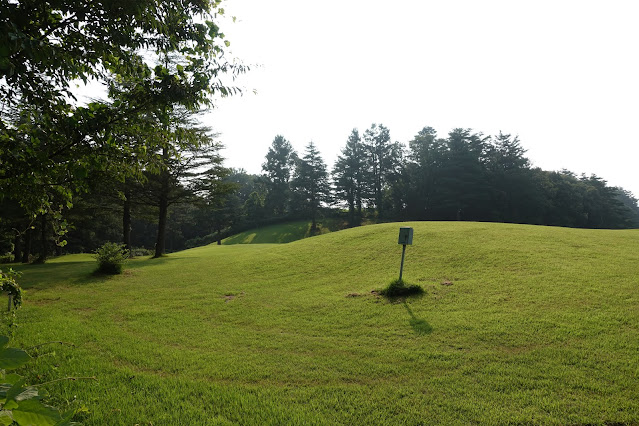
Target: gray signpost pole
{"type": "Point", "coordinates": [401, 268]}
{"type": "Point", "coordinates": [405, 238]}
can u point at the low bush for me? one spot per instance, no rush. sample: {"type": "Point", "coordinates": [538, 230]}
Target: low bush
{"type": "Point", "coordinates": [111, 258]}
{"type": "Point", "coordinates": [10, 286]}
{"type": "Point", "coordinates": [141, 251]}
{"type": "Point", "coordinates": [400, 288]}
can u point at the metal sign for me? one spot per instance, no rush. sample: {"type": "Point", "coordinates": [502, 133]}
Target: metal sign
{"type": "Point", "coordinates": [405, 235]}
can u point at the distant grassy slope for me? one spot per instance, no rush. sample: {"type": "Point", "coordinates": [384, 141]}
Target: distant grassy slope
{"type": "Point", "coordinates": [539, 325]}
{"type": "Point", "coordinates": [283, 233]}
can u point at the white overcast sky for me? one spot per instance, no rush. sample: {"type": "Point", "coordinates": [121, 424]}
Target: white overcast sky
{"type": "Point", "coordinates": [562, 74]}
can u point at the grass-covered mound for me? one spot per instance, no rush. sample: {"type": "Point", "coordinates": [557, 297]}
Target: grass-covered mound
{"type": "Point", "coordinates": [518, 324]}
{"type": "Point", "coordinates": [284, 232]}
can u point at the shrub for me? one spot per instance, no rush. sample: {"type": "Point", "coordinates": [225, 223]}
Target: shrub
{"type": "Point", "coordinates": [9, 285]}
{"type": "Point", "coordinates": [111, 258]}
{"type": "Point", "coordinates": [399, 288]}
{"type": "Point", "coordinates": [140, 251]}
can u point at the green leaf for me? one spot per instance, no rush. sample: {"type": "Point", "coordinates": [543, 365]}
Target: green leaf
{"type": "Point", "coordinates": [5, 418]}
{"type": "Point", "coordinates": [11, 358]}
{"type": "Point", "coordinates": [4, 388]}
{"type": "Point", "coordinates": [11, 378]}
{"type": "Point", "coordinates": [80, 172]}
{"type": "Point", "coordinates": [10, 405]}
{"type": "Point", "coordinates": [13, 392]}
{"type": "Point", "coordinates": [3, 341]}
{"type": "Point", "coordinates": [33, 412]}
{"type": "Point", "coordinates": [29, 393]}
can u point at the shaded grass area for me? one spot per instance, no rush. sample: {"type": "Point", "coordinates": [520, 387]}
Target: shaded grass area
{"type": "Point", "coordinates": [284, 233]}
{"type": "Point", "coordinates": [518, 324]}
{"type": "Point", "coordinates": [400, 288]}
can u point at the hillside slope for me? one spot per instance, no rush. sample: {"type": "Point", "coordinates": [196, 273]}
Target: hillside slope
{"type": "Point", "coordinates": [519, 324]}
{"type": "Point", "coordinates": [283, 232]}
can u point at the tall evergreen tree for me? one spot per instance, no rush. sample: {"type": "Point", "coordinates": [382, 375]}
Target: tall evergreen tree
{"type": "Point", "coordinates": [186, 151]}
{"type": "Point", "coordinates": [464, 189]}
{"type": "Point", "coordinates": [348, 177]}
{"type": "Point", "coordinates": [382, 163]}
{"type": "Point", "coordinates": [425, 162]}
{"type": "Point", "coordinates": [278, 169]}
{"type": "Point", "coordinates": [514, 193]}
{"type": "Point", "coordinates": [310, 184]}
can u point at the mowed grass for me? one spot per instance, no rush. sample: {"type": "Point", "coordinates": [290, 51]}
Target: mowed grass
{"type": "Point", "coordinates": [531, 325]}
{"type": "Point", "coordinates": [284, 232]}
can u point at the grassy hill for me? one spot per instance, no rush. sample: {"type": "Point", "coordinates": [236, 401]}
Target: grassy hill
{"type": "Point", "coordinates": [519, 324]}
{"type": "Point", "coordinates": [283, 233]}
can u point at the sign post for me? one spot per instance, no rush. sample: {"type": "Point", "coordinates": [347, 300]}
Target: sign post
{"type": "Point", "coordinates": [405, 238]}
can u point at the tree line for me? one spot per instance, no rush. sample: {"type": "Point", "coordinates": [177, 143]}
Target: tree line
{"type": "Point", "coordinates": [463, 176]}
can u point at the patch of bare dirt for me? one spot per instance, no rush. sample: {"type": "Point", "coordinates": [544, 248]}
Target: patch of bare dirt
{"type": "Point", "coordinates": [231, 296]}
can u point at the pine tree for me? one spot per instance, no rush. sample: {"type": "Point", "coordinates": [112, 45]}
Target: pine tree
{"type": "Point", "coordinates": [310, 184]}
{"type": "Point", "coordinates": [348, 177]}
{"type": "Point", "coordinates": [383, 161]}
{"type": "Point", "coordinates": [278, 169]}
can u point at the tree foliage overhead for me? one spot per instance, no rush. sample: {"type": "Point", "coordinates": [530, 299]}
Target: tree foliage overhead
{"type": "Point", "coordinates": [152, 55]}
{"type": "Point", "coordinates": [46, 45]}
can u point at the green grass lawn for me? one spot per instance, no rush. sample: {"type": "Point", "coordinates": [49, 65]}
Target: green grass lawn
{"type": "Point", "coordinates": [519, 324]}
{"type": "Point", "coordinates": [284, 233]}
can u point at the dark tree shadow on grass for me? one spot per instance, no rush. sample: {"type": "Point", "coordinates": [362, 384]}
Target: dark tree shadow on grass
{"type": "Point", "coordinates": [76, 273]}
{"type": "Point", "coordinates": [420, 326]}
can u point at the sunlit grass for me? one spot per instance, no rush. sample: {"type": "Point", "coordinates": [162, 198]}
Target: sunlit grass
{"type": "Point", "coordinates": [519, 324]}
{"type": "Point", "coordinates": [285, 232]}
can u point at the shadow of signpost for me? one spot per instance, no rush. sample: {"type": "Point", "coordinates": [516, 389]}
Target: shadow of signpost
{"type": "Point", "coordinates": [419, 325]}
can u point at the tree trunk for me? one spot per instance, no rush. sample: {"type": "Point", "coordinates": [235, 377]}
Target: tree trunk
{"type": "Point", "coordinates": [126, 220]}
{"type": "Point", "coordinates": [314, 222]}
{"type": "Point", "coordinates": [219, 236]}
{"type": "Point", "coordinates": [358, 202]}
{"type": "Point", "coordinates": [160, 244]}
{"type": "Point", "coordinates": [17, 248]}
{"type": "Point", "coordinates": [351, 210]}
{"type": "Point", "coordinates": [44, 249]}
{"type": "Point", "coordinates": [27, 246]}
